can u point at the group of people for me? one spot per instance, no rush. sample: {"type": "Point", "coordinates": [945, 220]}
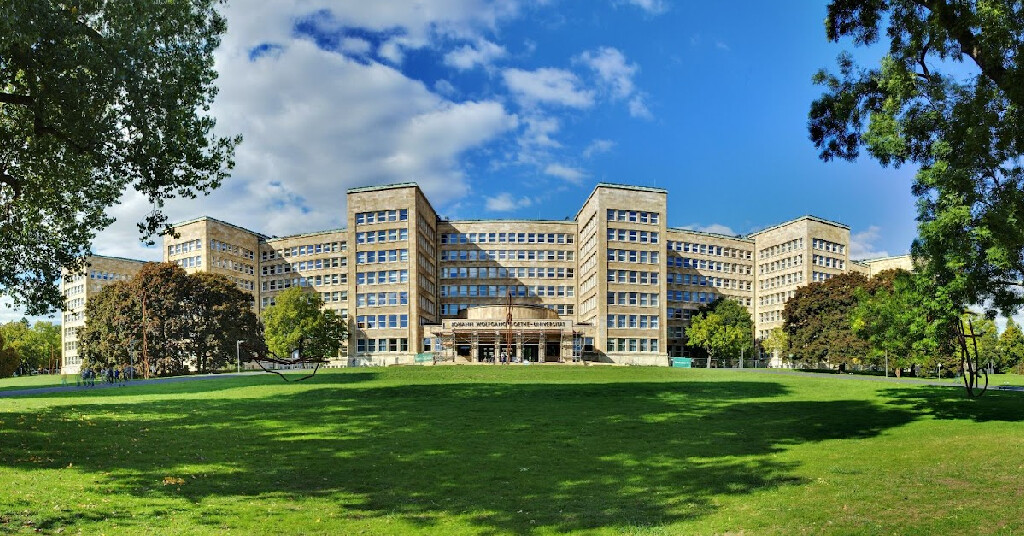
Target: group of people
{"type": "Point", "coordinates": [116, 374]}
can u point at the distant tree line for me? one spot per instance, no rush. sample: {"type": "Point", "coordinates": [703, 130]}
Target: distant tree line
{"type": "Point", "coordinates": [25, 347]}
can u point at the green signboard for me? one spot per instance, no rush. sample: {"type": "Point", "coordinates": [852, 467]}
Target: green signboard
{"type": "Point", "coordinates": [682, 362]}
{"type": "Point", "coordinates": [424, 357]}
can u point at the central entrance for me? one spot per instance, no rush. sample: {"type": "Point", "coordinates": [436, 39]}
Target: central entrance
{"type": "Point", "coordinates": [531, 352]}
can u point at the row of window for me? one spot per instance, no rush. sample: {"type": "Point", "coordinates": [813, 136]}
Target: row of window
{"type": "Point", "coordinates": [382, 321]}
{"type": "Point", "coordinates": [382, 345]}
{"type": "Point", "coordinates": [636, 299]}
{"type": "Point", "coordinates": [382, 299]}
{"type": "Point", "coordinates": [776, 298]}
{"type": "Point", "coordinates": [632, 235]}
{"type": "Point", "coordinates": [795, 244]}
{"type": "Point", "coordinates": [502, 272]}
{"type": "Point", "coordinates": [74, 289]}
{"type": "Point", "coordinates": [634, 216]}
{"type": "Point", "coordinates": [313, 264]}
{"type": "Point", "coordinates": [382, 236]}
{"type": "Point", "coordinates": [382, 256]}
{"type": "Point", "coordinates": [217, 245]}
{"type": "Point", "coordinates": [382, 277]}
{"type": "Point", "coordinates": [190, 262]}
{"type": "Point", "coordinates": [452, 309]}
{"type": "Point", "coordinates": [677, 313]}
{"type": "Point", "coordinates": [184, 247]}
{"type": "Point", "coordinates": [307, 249]}
{"type": "Point", "coordinates": [708, 249]}
{"type": "Point", "coordinates": [633, 256]}
{"type": "Point", "coordinates": [500, 291]}
{"type": "Point", "coordinates": [829, 262]}
{"type": "Point", "coordinates": [382, 216]}
{"type": "Point", "coordinates": [821, 276]}
{"type": "Point", "coordinates": [309, 281]}
{"type": "Point", "coordinates": [691, 297]}
{"type": "Point", "coordinates": [507, 255]}
{"type": "Point", "coordinates": [784, 279]}
{"type": "Point", "coordinates": [704, 264]}
{"type": "Point", "coordinates": [510, 238]}
{"type": "Point", "coordinates": [825, 245]}
{"type": "Point", "coordinates": [633, 277]}
{"type": "Point", "coordinates": [229, 264]}
{"type": "Point", "coordinates": [633, 321]}
{"type": "Point", "coordinates": [781, 264]}
{"type": "Point", "coordinates": [632, 345]}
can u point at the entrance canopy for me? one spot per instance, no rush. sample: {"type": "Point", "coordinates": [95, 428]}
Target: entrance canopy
{"type": "Point", "coordinates": [484, 333]}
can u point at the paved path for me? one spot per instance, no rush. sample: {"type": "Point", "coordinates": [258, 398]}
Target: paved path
{"type": "Point", "coordinates": [104, 385]}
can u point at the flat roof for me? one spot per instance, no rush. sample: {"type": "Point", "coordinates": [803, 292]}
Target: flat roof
{"type": "Point", "coordinates": [222, 222]}
{"type": "Point", "coordinates": [801, 218]}
{"type": "Point", "coordinates": [563, 222]}
{"type": "Point", "coordinates": [303, 235]}
{"type": "Point", "coordinates": [383, 187]}
{"type": "Point", "coordinates": [126, 259]}
{"type": "Point", "coordinates": [716, 235]}
{"type": "Point", "coordinates": [879, 259]}
{"type": "Point", "coordinates": [619, 187]}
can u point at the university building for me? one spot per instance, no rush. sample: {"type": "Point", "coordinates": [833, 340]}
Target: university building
{"type": "Point", "coordinates": [614, 284]}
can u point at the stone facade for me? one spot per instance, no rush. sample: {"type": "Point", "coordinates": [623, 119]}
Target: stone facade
{"type": "Point", "coordinates": [620, 282]}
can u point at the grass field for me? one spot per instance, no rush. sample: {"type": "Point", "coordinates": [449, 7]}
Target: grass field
{"type": "Point", "coordinates": [470, 450]}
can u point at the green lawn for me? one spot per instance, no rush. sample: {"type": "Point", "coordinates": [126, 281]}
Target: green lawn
{"type": "Point", "coordinates": [31, 382]}
{"type": "Point", "coordinates": [470, 450]}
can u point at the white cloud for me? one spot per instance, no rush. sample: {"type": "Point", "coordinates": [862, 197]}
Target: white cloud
{"type": "Point", "coordinates": [654, 7]}
{"type": "Point", "coordinates": [612, 69]}
{"type": "Point", "coordinates": [548, 85]}
{"type": "Point", "coordinates": [615, 75]}
{"type": "Point", "coordinates": [466, 57]}
{"type": "Point", "coordinates": [862, 244]}
{"type": "Point", "coordinates": [356, 46]}
{"type": "Point", "coordinates": [597, 147]}
{"type": "Point", "coordinates": [505, 202]}
{"type": "Point", "coordinates": [570, 174]}
{"type": "Point", "coordinates": [638, 108]}
{"type": "Point", "coordinates": [721, 45]}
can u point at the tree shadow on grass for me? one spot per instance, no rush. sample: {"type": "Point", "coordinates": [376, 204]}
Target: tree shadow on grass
{"type": "Point", "coordinates": [953, 403]}
{"type": "Point", "coordinates": [190, 384]}
{"type": "Point", "coordinates": [505, 457]}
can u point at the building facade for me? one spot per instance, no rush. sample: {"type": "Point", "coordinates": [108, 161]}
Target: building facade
{"type": "Point", "coordinates": [614, 284]}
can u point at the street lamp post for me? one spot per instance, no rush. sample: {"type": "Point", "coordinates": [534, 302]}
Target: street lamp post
{"type": "Point", "coordinates": [238, 359]}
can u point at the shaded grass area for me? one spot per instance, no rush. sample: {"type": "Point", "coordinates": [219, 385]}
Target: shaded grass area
{"type": "Point", "coordinates": [496, 450]}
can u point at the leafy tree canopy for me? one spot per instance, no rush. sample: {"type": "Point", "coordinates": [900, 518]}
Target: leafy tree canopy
{"type": "Point", "coordinates": [817, 320]}
{"type": "Point", "coordinates": [722, 328]}
{"type": "Point", "coordinates": [1011, 347]}
{"type": "Point", "coordinates": [963, 127]}
{"type": "Point", "coordinates": [96, 97]}
{"type": "Point", "coordinates": [9, 358]}
{"type": "Point", "coordinates": [37, 345]}
{"type": "Point", "coordinates": [188, 321]}
{"type": "Point", "coordinates": [296, 321]}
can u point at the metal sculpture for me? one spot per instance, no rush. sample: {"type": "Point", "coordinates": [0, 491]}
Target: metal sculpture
{"type": "Point", "coordinates": [970, 366]}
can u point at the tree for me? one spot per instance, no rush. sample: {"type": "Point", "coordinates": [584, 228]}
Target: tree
{"type": "Point", "coordinates": [1011, 346]}
{"type": "Point", "coordinates": [96, 97]}
{"type": "Point", "coordinates": [722, 328]}
{"type": "Point", "coordinates": [817, 321]}
{"type": "Point", "coordinates": [776, 343]}
{"type": "Point", "coordinates": [296, 321]}
{"type": "Point", "coordinates": [964, 128]}
{"type": "Point", "coordinates": [9, 358]}
{"type": "Point", "coordinates": [38, 345]}
{"type": "Point", "coordinates": [220, 314]}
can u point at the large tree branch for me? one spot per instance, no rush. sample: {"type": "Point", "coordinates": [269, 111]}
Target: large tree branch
{"type": "Point", "coordinates": [991, 67]}
{"type": "Point", "coordinates": [12, 98]}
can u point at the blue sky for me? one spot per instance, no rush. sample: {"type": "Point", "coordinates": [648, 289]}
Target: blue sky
{"type": "Point", "coordinates": [517, 108]}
